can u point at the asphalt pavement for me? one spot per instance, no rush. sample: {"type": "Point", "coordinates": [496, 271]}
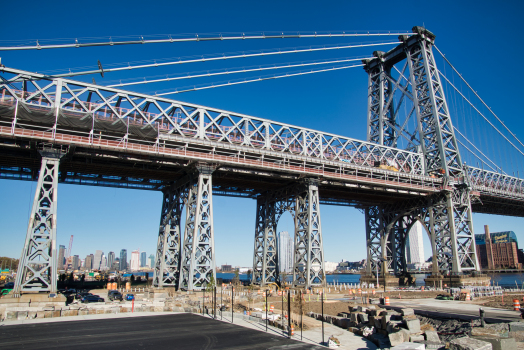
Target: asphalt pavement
{"type": "Point", "coordinates": [173, 331]}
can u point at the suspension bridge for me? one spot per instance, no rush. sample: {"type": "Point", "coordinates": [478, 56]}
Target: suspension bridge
{"type": "Point", "coordinates": [55, 128]}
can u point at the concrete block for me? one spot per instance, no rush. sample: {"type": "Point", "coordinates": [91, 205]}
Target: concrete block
{"type": "Point", "coordinates": [48, 314]}
{"type": "Point", "coordinates": [396, 338]}
{"type": "Point", "coordinates": [480, 331]}
{"type": "Point", "coordinates": [167, 308]}
{"type": "Point", "coordinates": [108, 311]}
{"type": "Point", "coordinates": [57, 313]}
{"type": "Point", "coordinates": [382, 341]}
{"type": "Point", "coordinates": [499, 343]}
{"type": "Point", "coordinates": [413, 326]}
{"type": "Point", "coordinates": [393, 326]}
{"type": "Point", "coordinates": [40, 314]}
{"type": "Point", "coordinates": [100, 311]}
{"type": "Point", "coordinates": [11, 315]}
{"type": "Point", "coordinates": [354, 317]}
{"type": "Point", "coordinates": [22, 315]}
{"type": "Point", "coordinates": [416, 337]}
{"type": "Point", "coordinates": [92, 312]}
{"type": "Point", "coordinates": [378, 322]}
{"type": "Point", "coordinates": [516, 326]}
{"type": "Point", "coordinates": [49, 308]}
{"type": "Point", "coordinates": [362, 318]}
{"type": "Point", "coordinates": [432, 336]}
{"type": "Point", "coordinates": [361, 308]}
{"type": "Point", "coordinates": [385, 319]}
{"type": "Point", "coordinates": [409, 346]}
{"type": "Point", "coordinates": [83, 312]}
{"type": "Point", "coordinates": [406, 312]}
{"type": "Point", "coordinates": [431, 345]}
{"type": "Point", "coordinates": [31, 315]}
{"type": "Point", "coordinates": [466, 343]}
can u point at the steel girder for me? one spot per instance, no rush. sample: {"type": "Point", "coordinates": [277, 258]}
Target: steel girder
{"type": "Point", "coordinates": [37, 270]}
{"type": "Point", "coordinates": [198, 255]}
{"type": "Point", "coordinates": [381, 116]}
{"type": "Point", "coordinates": [308, 267]}
{"type": "Point", "coordinates": [265, 260]}
{"type": "Point", "coordinates": [438, 141]}
{"type": "Point", "coordinates": [169, 249]}
{"type": "Point", "coordinates": [446, 217]}
{"type": "Point", "coordinates": [89, 109]}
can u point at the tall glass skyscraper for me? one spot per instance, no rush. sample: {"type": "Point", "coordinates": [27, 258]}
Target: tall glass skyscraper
{"type": "Point", "coordinates": [415, 246]}
{"type": "Point", "coordinates": [123, 259]}
{"type": "Point", "coordinates": [97, 262]}
{"type": "Point", "coordinates": [61, 257]}
{"type": "Point", "coordinates": [143, 258]}
{"type": "Point", "coordinates": [285, 248]}
{"type": "Point", "coordinates": [110, 260]}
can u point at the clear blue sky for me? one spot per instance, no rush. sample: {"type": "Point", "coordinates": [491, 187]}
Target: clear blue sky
{"type": "Point", "coordinates": [481, 38]}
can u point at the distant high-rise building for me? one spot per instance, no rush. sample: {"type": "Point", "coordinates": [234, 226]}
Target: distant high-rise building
{"type": "Point", "coordinates": [151, 261]}
{"type": "Point", "coordinates": [103, 263]}
{"type": "Point", "coordinates": [123, 260]}
{"type": "Point", "coordinates": [116, 264]}
{"type": "Point", "coordinates": [89, 262]}
{"type": "Point", "coordinates": [76, 262]}
{"type": "Point", "coordinates": [97, 260]}
{"type": "Point", "coordinates": [61, 257]}
{"type": "Point", "coordinates": [285, 248]}
{"type": "Point", "coordinates": [415, 245]}
{"type": "Point", "coordinates": [135, 260]}
{"type": "Point", "coordinates": [110, 260]}
{"type": "Point", "coordinates": [143, 258]}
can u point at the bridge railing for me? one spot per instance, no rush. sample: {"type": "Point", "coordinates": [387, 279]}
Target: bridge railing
{"type": "Point", "coordinates": [489, 181]}
{"type": "Point", "coordinates": [149, 117]}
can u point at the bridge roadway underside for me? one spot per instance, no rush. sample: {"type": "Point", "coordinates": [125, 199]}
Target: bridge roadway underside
{"type": "Point", "coordinates": [95, 166]}
{"type": "Point", "coordinates": [20, 160]}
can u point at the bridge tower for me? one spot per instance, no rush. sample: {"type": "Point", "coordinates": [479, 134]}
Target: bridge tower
{"type": "Point", "coordinates": [302, 201]}
{"type": "Point", "coordinates": [446, 216]}
{"type": "Point", "coordinates": [37, 269]}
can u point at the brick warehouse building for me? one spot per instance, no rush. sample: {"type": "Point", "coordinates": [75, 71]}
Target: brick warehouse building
{"type": "Point", "coordinates": [498, 250]}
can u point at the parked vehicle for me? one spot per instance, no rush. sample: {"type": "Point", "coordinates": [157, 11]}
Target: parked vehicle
{"type": "Point", "coordinates": [81, 295]}
{"type": "Point", "coordinates": [115, 295]}
{"type": "Point", "coordinates": [92, 299]}
{"type": "Point", "coordinates": [9, 285]}
{"type": "Point", "coordinates": [130, 297]}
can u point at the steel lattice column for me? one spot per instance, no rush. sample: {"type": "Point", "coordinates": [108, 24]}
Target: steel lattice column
{"type": "Point", "coordinates": [308, 266]}
{"type": "Point", "coordinates": [198, 255]}
{"type": "Point", "coordinates": [453, 227]}
{"type": "Point", "coordinates": [169, 248]}
{"type": "Point", "coordinates": [438, 141]}
{"type": "Point", "coordinates": [265, 260]}
{"type": "Point", "coordinates": [374, 232]}
{"type": "Point", "coordinates": [38, 263]}
{"type": "Point", "coordinates": [381, 117]}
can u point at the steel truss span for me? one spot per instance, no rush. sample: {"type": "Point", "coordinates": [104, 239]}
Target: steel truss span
{"type": "Point", "coordinates": [110, 137]}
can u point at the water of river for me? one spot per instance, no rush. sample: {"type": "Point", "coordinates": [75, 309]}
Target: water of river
{"type": "Point", "coordinates": [502, 279]}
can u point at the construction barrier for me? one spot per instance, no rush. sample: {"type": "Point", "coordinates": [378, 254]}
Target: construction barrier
{"type": "Point", "coordinates": [109, 285]}
{"type": "Point", "coordinates": [373, 292]}
{"type": "Point", "coordinates": [516, 305]}
{"type": "Point", "coordinates": [386, 301]}
{"type": "Point", "coordinates": [292, 330]}
{"type": "Point", "coordinates": [271, 308]}
{"type": "Point", "coordinates": [468, 297]}
{"type": "Point", "coordinates": [279, 293]}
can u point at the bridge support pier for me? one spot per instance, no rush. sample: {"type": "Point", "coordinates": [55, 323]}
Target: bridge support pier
{"type": "Point", "coordinates": [308, 257]}
{"type": "Point", "coordinates": [198, 250]}
{"type": "Point", "coordinates": [37, 269]}
{"type": "Point", "coordinates": [169, 248]}
{"type": "Point", "coordinates": [308, 269]}
{"type": "Point", "coordinates": [265, 260]}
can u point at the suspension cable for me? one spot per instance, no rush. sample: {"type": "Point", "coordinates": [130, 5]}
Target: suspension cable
{"type": "Point", "coordinates": [471, 143]}
{"type": "Point", "coordinates": [223, 57]}
{"type": "Point", "coordinates": [257, 79]}
{"type": "Point", "coordinates": [244, 70]}
{"type": "Point", "coordinates": [481, 100]}
{"type": "Point", "coordinates": [170, 39]}
{"type": "Point", "coordinates": [483, 162]}
{"type": "Point", "coordinates": [475, 108]}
